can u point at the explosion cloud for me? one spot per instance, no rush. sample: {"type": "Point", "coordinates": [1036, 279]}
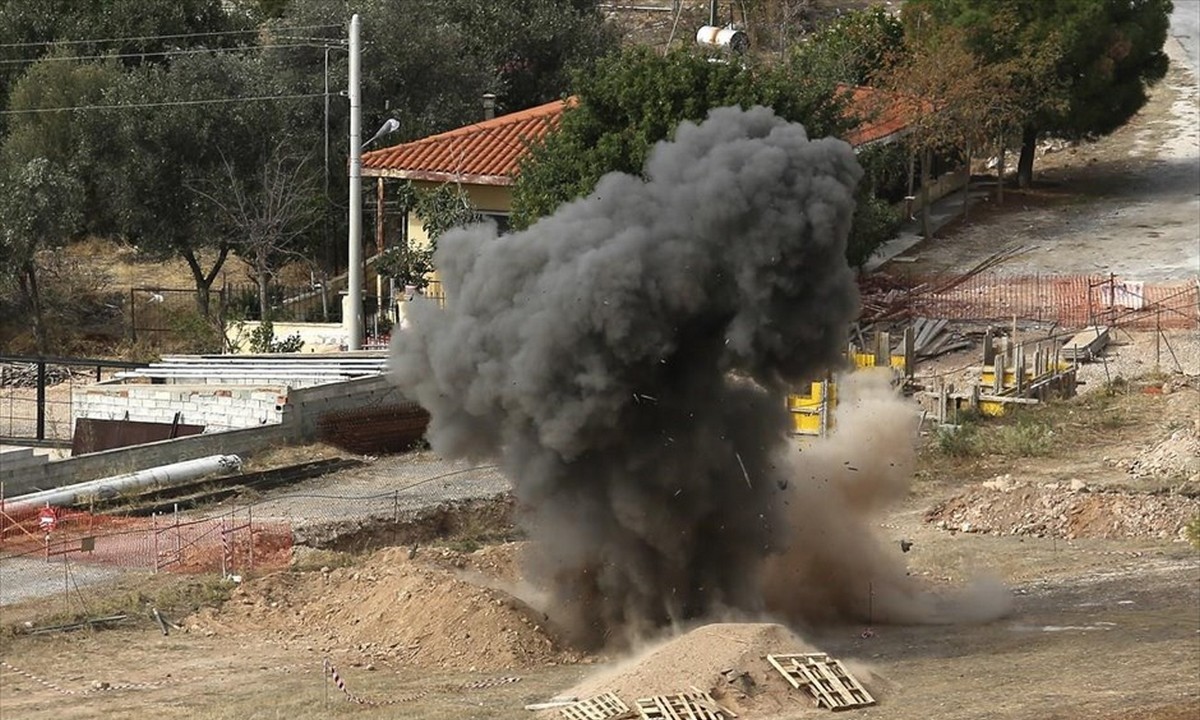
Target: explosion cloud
{"type": "Point", "coordinates": [625, 362]}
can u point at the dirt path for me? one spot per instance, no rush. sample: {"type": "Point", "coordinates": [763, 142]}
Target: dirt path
{"type": "Point", "coordinates": [1128, 204]}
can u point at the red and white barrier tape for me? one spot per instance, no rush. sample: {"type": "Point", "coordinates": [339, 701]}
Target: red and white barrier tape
{"type": "Point", "coordinates": [101, 687]}
{"type": "Point", "coordinates": [332, 672]}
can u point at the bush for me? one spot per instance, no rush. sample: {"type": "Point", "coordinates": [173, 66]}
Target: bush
{"type": "Point", "coordinates": [875, 222]}
{"type": "Point", "coordinates": [1025, 438]}
{"type": "Point", "coordinates": [958, 440]}
{"type": "Point", "coordinates": [262, 340]}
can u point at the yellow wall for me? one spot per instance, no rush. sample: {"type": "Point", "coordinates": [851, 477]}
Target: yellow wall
{"type": "Point", "coordinates": [485, 198]}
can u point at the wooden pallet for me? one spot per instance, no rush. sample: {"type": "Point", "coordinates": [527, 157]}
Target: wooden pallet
{"type": "Point", "coordinates": [828, 681]}
{"type": "Point", "coordinates": [601, 707]}
{"type": "Point", "coordinates": [695, 705]}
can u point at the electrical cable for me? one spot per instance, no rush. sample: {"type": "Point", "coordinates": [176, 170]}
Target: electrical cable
{"type": "Point", "coordinates": [170, 103]}
{"type": "Point", "coordinates": [42, 43]}
{"type": "Point", "coordinates": [153, 53]}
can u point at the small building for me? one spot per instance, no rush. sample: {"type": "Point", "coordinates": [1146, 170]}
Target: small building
{"type": "Point", "coordinates": [483, 158]}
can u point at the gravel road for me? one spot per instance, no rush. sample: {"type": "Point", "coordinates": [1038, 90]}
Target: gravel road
{"type": "Point", "coordinates": [29, 578]}
{"type": "Point", "coordinates": [382, 488]}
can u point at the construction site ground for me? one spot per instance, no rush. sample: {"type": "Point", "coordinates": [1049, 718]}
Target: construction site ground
{"type": "Point", "coordinates": [1105, 623]}
{"type": "Point", "coordinates": [1079, 507]}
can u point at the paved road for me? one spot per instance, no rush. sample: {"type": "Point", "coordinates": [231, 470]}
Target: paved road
{"type": "Point", "coordinates": [1185, 27]}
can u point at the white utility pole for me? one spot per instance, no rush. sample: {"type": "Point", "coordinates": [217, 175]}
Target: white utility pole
{"type": "Point", "coordinates": [352, 310]}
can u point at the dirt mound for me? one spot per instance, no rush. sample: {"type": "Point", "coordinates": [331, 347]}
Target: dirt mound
{"type": "Point", "coordinates": [727, 659]}
{"type": "Point", "coordinates": [1068, 510]}
{"type": "Point", "coordinates": [397, 608]}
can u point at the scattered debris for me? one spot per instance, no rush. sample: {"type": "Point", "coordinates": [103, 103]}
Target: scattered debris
{"type": "Point", "coordinates": [828, 681]}
{"type": "Point", "coordinates": [1063, 509]}
{"type": "Point", "coordinates": [90, 622]}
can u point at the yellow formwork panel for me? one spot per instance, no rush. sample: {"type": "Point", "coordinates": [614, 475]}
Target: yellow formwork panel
{"type": "Point", "coordinates": [991, 408]}
{"type": "Point", "coordinates": [806, 409]}
{"type": "Point", "coordinates": [806, 424]}
{"type": "Point", "coordinates": [865, 360]}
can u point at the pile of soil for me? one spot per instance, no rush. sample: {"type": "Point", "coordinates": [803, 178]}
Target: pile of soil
{"type": "Point", "coordinates": [728, 660]}
{"type": "Point", "coordinates": [392, 607]}
{"type": "Point", "coordinates": [1068, 510]}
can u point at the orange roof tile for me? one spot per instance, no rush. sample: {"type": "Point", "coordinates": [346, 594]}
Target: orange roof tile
{"type": "Point", "coordinates": [881, 114]}
{"type": "Point", "coordinates": [488, 153]}
{"type": "Point", "coordinates": [484, 153]}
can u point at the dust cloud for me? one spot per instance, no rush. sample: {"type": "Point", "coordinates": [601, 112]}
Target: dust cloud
{"type": "Point", "coordinates": [835, 566]}
{"type": "Point", "coordinates": [625, 361]}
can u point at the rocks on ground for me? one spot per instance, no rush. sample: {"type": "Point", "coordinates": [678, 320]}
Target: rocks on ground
{"type": "Point", "coordinates": [1004, 506]}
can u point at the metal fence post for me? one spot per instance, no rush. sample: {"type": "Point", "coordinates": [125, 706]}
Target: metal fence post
{"type": "Point", "coordinates": [132, 317]}
{"type": "Point", "coordinates": [41, 399]}
{"type": "Point", "coordinates": [250, 530]}
{"type": "Point", "coordinates": [154, 543]}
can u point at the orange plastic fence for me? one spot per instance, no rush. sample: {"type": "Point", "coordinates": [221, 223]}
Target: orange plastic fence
{"type": "Point", "coordinates": [231, 542]}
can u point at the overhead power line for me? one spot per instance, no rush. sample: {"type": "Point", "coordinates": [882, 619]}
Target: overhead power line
{"type": "Point", "coordinates": [154, 53]}
{"type": "Point", "coordinates": [169, 103]}
{"type": "Point", "coordinates": [43, 43]}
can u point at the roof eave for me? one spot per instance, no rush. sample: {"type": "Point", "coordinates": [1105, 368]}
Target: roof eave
{"type": "Point", "coordinates": [438, 177]}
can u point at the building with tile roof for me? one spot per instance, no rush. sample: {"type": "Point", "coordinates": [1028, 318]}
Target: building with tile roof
{"type": "Point", "coordinates": [484, 157]}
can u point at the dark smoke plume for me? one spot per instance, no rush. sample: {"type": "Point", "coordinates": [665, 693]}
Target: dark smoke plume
{"type": "Point", "coordinates": [625, 361]}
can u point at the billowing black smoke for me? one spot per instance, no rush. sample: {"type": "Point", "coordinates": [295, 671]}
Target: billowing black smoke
{"type": "Point", "coordinates": [625, 362]}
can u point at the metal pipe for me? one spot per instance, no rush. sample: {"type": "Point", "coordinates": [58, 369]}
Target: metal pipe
{"type": "Point", "coordinates": [175, 473]}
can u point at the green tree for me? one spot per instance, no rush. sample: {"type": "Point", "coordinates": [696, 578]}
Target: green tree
{"type": "Point", "coordinates": [39, 211]}
{"type": "Point", "coordinates": [533, 45]}
{"type": "Point", "coordinates": [61, 137]}
{"type": "Point", "coordinates": [264, 217]}
{"type": "Point", "coordinates": [160, 152]}
{"type": "Point", "coordinates": [635, 99]}
{"type": "Point", "coordinates": [853, 48]}
{"type": "Point", "coordinates": [440, 209]}
{"type": "Point", "coordinates": [1106, 53]}
{"type": "Point", "coordinates": [139, 31]}
{"type": "Point", "coordinates": [427, 63]}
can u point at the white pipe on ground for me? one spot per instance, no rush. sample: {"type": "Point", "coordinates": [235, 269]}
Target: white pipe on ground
{"type": "Point", "coordinates": [173, 474]}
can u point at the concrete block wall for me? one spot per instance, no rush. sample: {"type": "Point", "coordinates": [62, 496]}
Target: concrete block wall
{"type": "Point", "coordinates": [308, 404]}
{"type": "Point", "coordinates": [214, 407]}
{"type": "Point", "coordinates": [297, 424]}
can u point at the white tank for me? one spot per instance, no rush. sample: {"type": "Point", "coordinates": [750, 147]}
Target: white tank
{"type": "Point", "coordinates": [727, 37]}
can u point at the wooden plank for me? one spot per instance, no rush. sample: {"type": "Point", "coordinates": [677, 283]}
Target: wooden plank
{"type": "Point", "coordinates": [1086, 344]}
{"type": "Point", "coordinates": [600, 707]}
{"type": "Point", "coordinates": [826, 680]}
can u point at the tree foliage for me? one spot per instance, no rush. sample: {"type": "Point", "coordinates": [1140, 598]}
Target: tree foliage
{"type": "Point", "coordinates": [854, 48]}
{"type": "Point", "coordinates": [440, 209]}
{"type": "Point", "coordinates": [635, 99]}
{"type": "Point", "coordinates": [158, 154]}
{"type": "Point", "coordinates": [145, 30]}
{"type": "Point", "coordinates": [1079, 67]}
{"type": "Point", "coordinates": [39, 210]}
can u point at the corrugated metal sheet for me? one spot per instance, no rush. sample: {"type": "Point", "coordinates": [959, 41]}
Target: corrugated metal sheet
{"type": "Point", "coordinates": [93, 435]}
